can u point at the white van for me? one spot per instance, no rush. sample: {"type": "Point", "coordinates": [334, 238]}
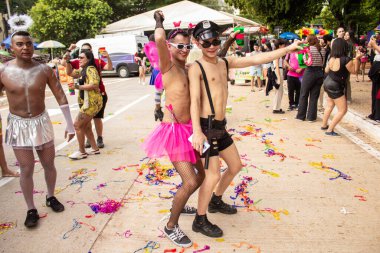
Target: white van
{"type": "Point", "coordinates": [122, 50]}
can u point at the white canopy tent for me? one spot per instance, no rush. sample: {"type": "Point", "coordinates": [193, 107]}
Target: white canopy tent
{"type": "Point", "coordinates": [185, 11]}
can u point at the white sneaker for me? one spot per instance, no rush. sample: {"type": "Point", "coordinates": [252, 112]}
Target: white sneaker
{"type": "Point", "coordinates": [93, 152]}
{"type": "Point", "coordinates": [77, 155]}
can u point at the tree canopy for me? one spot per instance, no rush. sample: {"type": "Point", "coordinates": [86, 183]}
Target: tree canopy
{"type": "Point", "coordinates": [290, 14]}
{"type": "Point", "coordinates": [69, 21]}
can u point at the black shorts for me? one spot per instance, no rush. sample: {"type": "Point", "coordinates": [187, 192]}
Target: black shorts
{"type": "Point", "coordinates": [333, 88]}
{"type": "Point", "coordinates": [100, 114]}
{"type": "Point", "coordinates": [223, 139]}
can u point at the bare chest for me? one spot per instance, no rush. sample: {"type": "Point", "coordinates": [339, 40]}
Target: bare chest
{"type": "Point", "coordinates": [17, 80]}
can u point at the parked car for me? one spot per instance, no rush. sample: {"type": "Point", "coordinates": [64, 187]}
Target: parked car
{"type": "Point", "coordinates": [123, 65]}
{"type": "Point", "coordinates": [121, 49]}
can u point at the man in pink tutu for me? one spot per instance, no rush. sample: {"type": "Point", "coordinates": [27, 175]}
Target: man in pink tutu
{"type": "Point", "coordinates": [170, 138]}
{"type": "Point", "coordinates": [209, 93]}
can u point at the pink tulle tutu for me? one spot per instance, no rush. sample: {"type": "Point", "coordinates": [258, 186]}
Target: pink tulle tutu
{"type": "Point", "coordinates": [171, 139]}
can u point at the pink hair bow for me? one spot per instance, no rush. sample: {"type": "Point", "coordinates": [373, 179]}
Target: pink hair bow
{"type": "Point", "coordinates": [177, 24]}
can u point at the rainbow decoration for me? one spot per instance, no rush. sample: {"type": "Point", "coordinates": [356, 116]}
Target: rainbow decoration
{"type": "Point", "coordinates": [308, 31]}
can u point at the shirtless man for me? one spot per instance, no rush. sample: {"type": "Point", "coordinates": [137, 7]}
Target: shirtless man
{"type": "Point", "coordinates": [29, 125]}
{"type": "Point", "coordinates": [170, 137]}
{"type": "Point", "coordinates": [206, 34]}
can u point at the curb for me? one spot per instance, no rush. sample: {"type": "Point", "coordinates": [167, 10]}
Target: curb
{"type": "Point", "coordinates": [368, 126]}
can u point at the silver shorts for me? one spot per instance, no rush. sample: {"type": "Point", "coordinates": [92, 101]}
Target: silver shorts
{"type": "Point", "coordinates": [28, 133]}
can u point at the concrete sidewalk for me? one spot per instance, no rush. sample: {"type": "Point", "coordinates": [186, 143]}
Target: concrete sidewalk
{"type": "Point", "coordinates": [310, 192]}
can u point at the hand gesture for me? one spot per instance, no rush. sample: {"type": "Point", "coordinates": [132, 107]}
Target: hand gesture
{"type": "Point", "coordinates": [298, 71]}
{"type": "Point", "coordinates": [198, 139]}
{"type": "Point", "coordinates": [71, 86]}
{"type": "Point", "coordinates": [66, 56]}
{"type": "Point", "coordinates": [295, 46]}
{"type": "Point", "coordinates": [105, 54]}
{"type": "Point", "coordinates": [233, 34]}
{"type": "Point", "coordinates": [68, 136]}
{"type": "Point", "coordinates": [72, 47]}
{"type": "Point", "coordinates": [159, 16]}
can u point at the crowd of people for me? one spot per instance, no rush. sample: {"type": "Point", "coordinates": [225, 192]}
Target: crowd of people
{"type": "Point", "coordinates": [195, 107]}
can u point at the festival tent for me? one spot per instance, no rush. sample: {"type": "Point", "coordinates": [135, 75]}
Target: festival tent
{"type": "Point", "coordinates": [185, 11]}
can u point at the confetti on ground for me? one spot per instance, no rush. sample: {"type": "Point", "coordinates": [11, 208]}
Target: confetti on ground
{"type": "Point", "coordinates": [363, 190]}
{"type": "Point", "coordinates": [328, 156]}
{"type": "Point", "coordinates": [270, 149]}
{"type": "Point", "coordinates": [312, 145]}
{"type": "Point", "coordinates": [4, 227]}
{"type": "Point", "coordinates": [149, 247]}
{"type": "Point", "coordinates": [77, 225]}
{"type": "Point", "coordinates": [56, 123]}
{"type": "Point", "coordinates": [295, 157]}
{"type": "Point", "coordinates": [157, 173]}
{"type": "Point", "coordinates": [339, 174]}
{"type": "Point", "coordinates": [240, 99]}
{"type": "Point", "coordinates": [360, 197]}
{"type": "Point", "coordinates": [205, 248]}
{"type": "Point", "coordinates": [125, 234]}
{"type": "Point", "coordinates": [219, 239]}
{"type": "Point", "coordinates": [108, 206]}
{"type": "Point", "coordinates": [249, 246]}
{"type": "Point", "coordinates": [241, 192]}
{"type": "Point", "coordinates": [313, 140]}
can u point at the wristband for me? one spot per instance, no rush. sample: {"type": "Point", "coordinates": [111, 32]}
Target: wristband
{"type": "Point", "coordinates": [69, 121]}
{"type": "Point", "coordinates": [159, 25]}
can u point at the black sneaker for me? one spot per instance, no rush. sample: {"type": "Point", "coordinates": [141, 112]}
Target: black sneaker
{"type": "Point", "coordinates": [189, 210]}
{"type": "Point", "coordinates": [178, 237]}
{"type": "Point", "coordinates": [87, 144]}
{"type": "Point", "coordinates": [202, 225]}
{"type": "Point", "coordinates": [54, 204]}
{"type": "Point", "coordinates": [100, 142]}
{"type": "Point", "coordinates": [217, 205]}
{"type": "Point", "coordinates": [32, 218]}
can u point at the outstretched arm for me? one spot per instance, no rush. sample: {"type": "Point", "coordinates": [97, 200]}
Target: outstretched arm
{"type": "Point", "coordinates": [160, 38]}
{"type": "Point", "coordinates": [266, 57]}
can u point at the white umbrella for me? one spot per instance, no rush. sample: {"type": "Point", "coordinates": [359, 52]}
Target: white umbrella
{"type": "Point", "coordinates": [50, 44]}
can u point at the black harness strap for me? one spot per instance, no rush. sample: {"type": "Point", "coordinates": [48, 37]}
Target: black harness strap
{"type": "Point", "coordinates": [207, 88]}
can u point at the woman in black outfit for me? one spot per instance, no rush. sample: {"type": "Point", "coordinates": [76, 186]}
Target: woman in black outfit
{"type": "Point", "coordinates": [337, 70]}
{"type": "Point", "coordinates": [311, 82]}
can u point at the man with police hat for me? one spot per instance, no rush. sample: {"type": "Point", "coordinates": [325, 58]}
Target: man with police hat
{"type": "Point", "coordinates": [209, 93]}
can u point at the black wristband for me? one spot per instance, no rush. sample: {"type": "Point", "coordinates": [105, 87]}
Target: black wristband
{"type": "Point", "coordinates": [159, 25]}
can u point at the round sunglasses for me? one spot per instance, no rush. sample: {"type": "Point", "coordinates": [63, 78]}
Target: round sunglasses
{"type": "Point", "coordinates": [207, 44]}
{"type": "Point", "coordinates": [182, 46]}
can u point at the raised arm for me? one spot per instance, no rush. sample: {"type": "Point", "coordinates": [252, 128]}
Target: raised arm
{"type": "Point", "coordinates": [160, 38]}
{"type": "Point", "coordinates": [195, 94]}
{"type": "Point", "coordinates": [231, 39]}
{"type": "Point", "coordinates": [262, 58]}
{"type": "Point", "coordinates": [372, 44]}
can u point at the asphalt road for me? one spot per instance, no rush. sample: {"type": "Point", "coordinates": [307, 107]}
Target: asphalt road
{"type": "Point", "coordinates": [310, 192]}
